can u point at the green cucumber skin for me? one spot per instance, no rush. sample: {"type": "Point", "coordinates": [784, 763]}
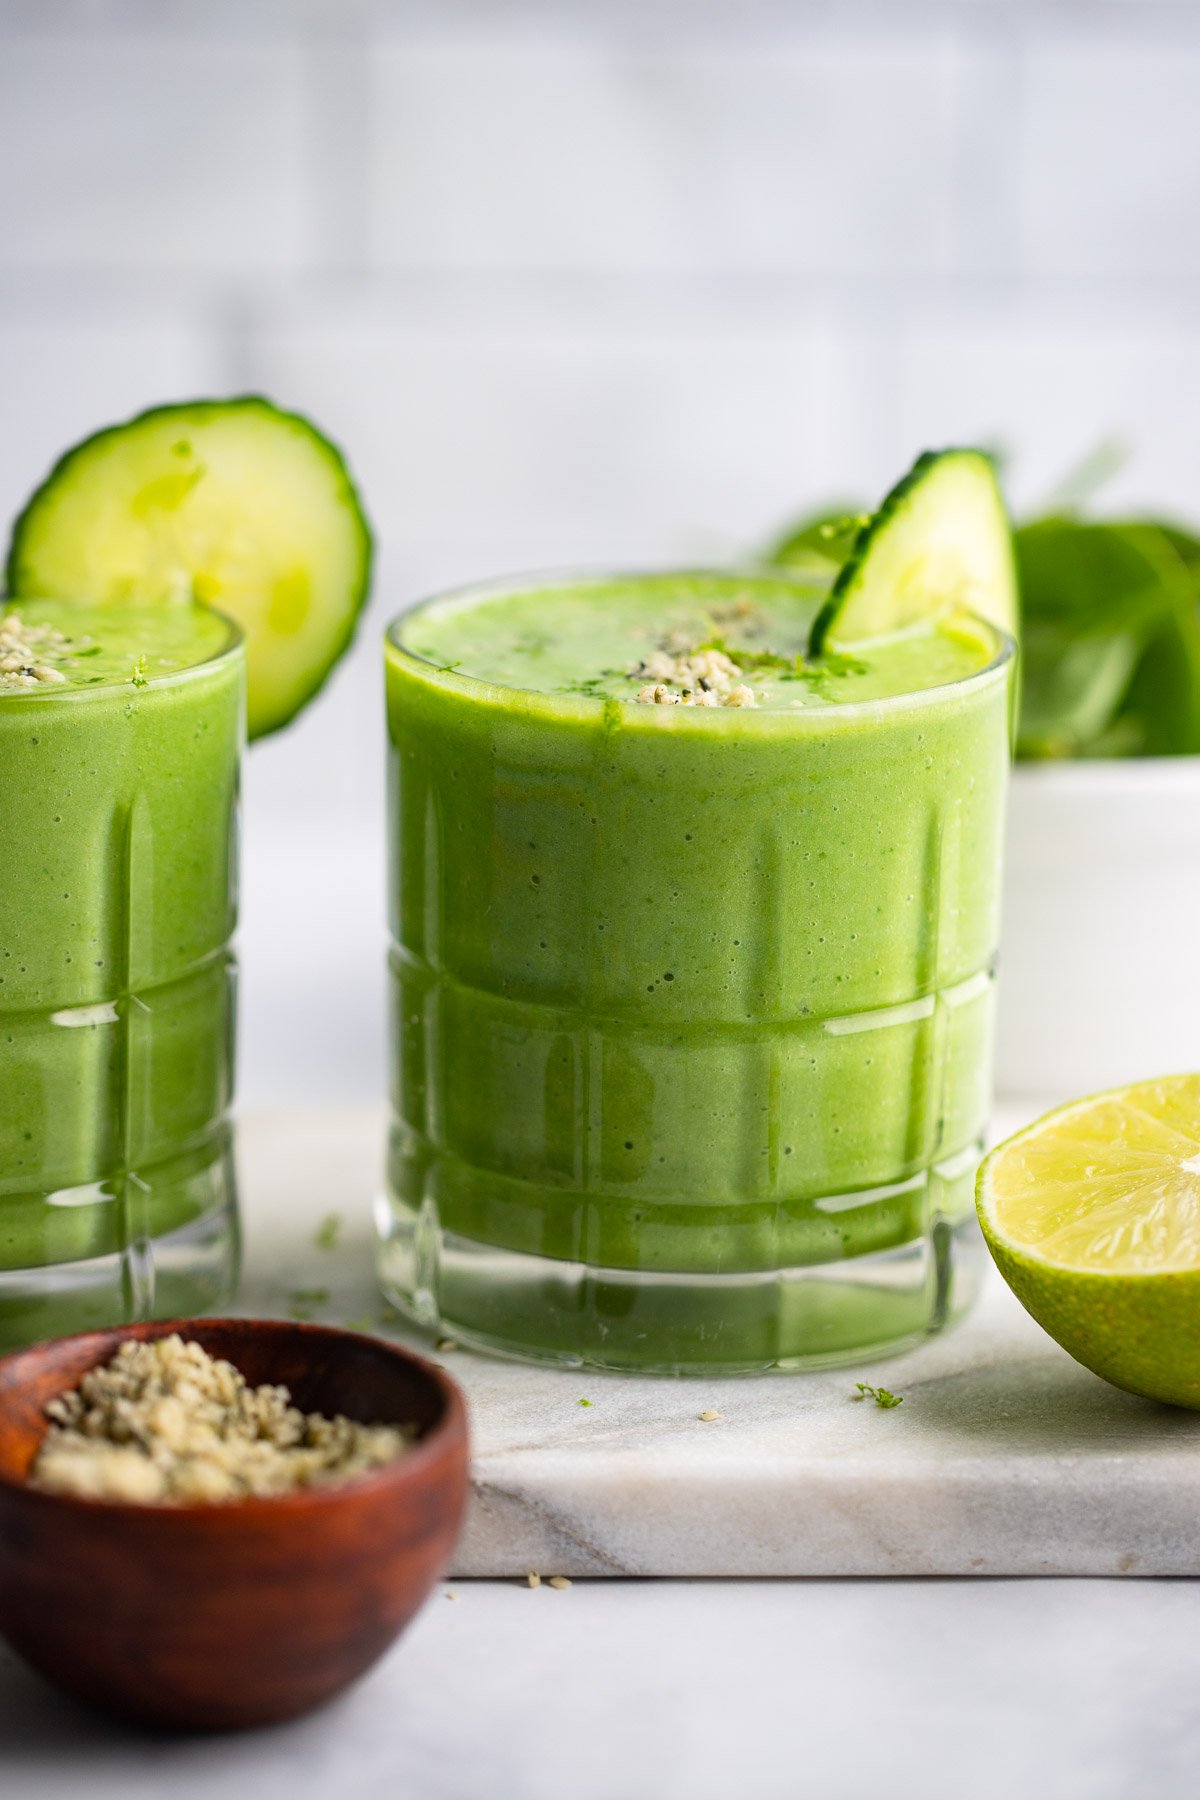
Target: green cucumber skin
{"type": "Point", "coordinates": [184, 412]}
{"type": "Point", "coordinates": [892, 503]}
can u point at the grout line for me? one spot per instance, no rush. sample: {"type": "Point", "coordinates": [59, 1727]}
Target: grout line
{"type": "Point", "coordinates": [661, 21]}
{"type": "Point", "coordinates": [632, 300]}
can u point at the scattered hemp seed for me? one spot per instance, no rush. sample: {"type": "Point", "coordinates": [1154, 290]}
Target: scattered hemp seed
{"type": "Point", "coordinates": [740, 612]}
{"type": "Point", "coordinates": [560, 1582]}
{"type": "Point", "coordinates": [879, 1395]}
{"type": "Point", "coordinates": [533, 1579]}
{"type": "Point", "coordinates": [450, 1594]}
{"type": "Point", "coordinates": [445, 1345]}
{"type": "Point", "coordinates": [365, 1322]}
{"type": "Point", "coordinates": [675, 676]}
{"type": "Point", "coordinates": [328, 1232]}
{"type": "Point", "coordinates": [164, 1423]}
{"type": "Point", "coordinates": [709, 1415]}
{"type": "Point", "coordinates": [23, 650]}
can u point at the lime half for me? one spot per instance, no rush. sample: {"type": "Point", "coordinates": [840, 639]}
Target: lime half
{"type": "Point", "coordinates": [1093, 1217]}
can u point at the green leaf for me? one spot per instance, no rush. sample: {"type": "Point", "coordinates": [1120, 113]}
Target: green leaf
{"type": "Point", "coordinates": [1071, 689]}
{"type": "Point", "coordinates": [1160, 714]}
{"type": "Point", "coordinates": [1109, 613]}
{"type": "Point", "coordinates": [819, 539]}
{"type": "Point", "coordinates": [1079, 484]}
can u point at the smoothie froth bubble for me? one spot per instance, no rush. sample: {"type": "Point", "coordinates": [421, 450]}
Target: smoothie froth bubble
{"type": "Point", "coordinates": [691, 1000]}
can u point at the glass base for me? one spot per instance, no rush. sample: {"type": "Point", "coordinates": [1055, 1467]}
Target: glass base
{"type": "Point", "coordinates": [183, 1272]}
{"type": "Point", "coordinates": [537, 1309]}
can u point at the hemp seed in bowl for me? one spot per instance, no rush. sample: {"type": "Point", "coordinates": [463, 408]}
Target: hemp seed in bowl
{"type": "Point", "coordinates": [164, 1423]}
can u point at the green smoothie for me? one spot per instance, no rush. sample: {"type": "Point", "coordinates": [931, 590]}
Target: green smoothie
{"type": "Point", "coordinates": [692, 971]}
{"type": "Point", "coordinates": [120, 737]}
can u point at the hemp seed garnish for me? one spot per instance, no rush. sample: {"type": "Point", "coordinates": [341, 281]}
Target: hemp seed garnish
{"type": "Point", "coordinates": [23, 649]}
{"type": "Point", "coordinates": [691, 678]}
{"type": "Point", "coordinates": [164, 1423]}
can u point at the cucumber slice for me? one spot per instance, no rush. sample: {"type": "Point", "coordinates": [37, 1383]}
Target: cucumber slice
{"type": "Point", "coordinates": [231, 502]}
{"type": "Point", "coordinates": [941, 539]}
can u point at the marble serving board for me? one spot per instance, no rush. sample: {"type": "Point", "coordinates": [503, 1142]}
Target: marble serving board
{"type": "Point", "coordinates": [1005, 1458]}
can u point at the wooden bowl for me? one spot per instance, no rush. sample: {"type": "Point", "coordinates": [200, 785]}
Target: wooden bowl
{"type": "Point", "coordinates": [217, 1617]}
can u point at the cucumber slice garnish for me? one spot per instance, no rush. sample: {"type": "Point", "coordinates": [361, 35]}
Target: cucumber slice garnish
{"type": "Point", "coordinates": [940, 540]}
{"type": "Point", "coordinates": [234, 503]}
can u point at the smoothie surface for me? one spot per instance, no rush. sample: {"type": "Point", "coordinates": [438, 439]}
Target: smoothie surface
{"type": "Point", "coordinates": [47, 646]}
{"type": "Point", "coordinates": [621, 638]}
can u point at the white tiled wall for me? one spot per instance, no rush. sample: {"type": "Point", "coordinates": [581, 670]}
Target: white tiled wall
{"type": "Point", "coordinates": [789, 151]}
{"type": "Point", "coordinates": [581, 282]}
{"type": "Point", "coordinates": [143, 154]}
{"type": "Point", "coordinates": [1109, 162]}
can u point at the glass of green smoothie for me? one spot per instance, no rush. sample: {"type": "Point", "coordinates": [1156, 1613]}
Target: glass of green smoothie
{"type": "Point", "coordinates": [121, 732]}
{"type": "Point", "coordinates": [208, 562]}
{"type": "Point", "coordinates": [693, 934]}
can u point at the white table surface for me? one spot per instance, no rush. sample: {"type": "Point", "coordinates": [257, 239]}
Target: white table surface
{"type": "Point", "coordinates": [680, 1690]}
{"type": "Point", "coordinates": [1006, 1458]}
{"type": "Point", "coordinates": [617, 1690]}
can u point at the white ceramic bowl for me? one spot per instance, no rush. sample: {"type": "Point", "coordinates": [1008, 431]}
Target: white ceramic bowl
{"type": "Point", "coordinates": [1100, 938]}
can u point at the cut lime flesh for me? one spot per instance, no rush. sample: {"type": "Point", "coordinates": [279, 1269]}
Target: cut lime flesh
{"type": "Point", "coordinates": [940, 542]}
{"type": "Point", "coordinates": [1093, 1218]}
{"type": "Point", "coordinates": [234, 503]}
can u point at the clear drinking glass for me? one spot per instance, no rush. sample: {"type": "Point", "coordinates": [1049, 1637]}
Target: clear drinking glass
{"type": "Point", "coordinates": [118, 894]}
{"type": "Point", "coordinates": [691, 1014]}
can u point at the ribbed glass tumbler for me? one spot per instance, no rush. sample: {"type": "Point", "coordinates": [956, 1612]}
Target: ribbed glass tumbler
{"type": "Point", "coordinates": [691, 1018]}
{"type": "Point", "coordinates": [118, 894]}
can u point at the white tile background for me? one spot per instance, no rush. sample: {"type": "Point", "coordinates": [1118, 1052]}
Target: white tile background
{"type": "Point", "coordinates": [580, 282]}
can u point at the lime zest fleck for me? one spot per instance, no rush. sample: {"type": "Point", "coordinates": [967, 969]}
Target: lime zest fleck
{"type": "Point", "coordinates": [749, 660]}
{"type": "Point", "coordinates": [879, 1395]}
{"type": "Point", "coordinates": [328, 1232]}
{"type": "Point", "coordinates": [301, 1302]}
{"type": "Point", "coordinates": [592, 686]}
{"type": "Point", "coordinates": [585, 1403]}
